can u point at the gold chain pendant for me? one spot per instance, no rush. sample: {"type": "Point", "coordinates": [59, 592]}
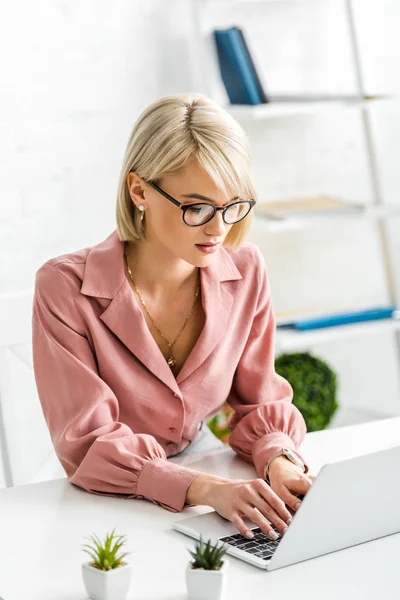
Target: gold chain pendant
{"type": "Point", "coordinates": [171, 362]}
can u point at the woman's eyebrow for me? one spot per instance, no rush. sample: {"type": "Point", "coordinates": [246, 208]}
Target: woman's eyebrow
{"type": "Point", "coordinates": [200, 197]}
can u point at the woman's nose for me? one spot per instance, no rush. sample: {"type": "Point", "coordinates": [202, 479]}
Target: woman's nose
{"type": "Point", "coordinates": [217, 225]}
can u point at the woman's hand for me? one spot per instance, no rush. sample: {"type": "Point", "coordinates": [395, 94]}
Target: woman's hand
{"type": "Point", "coordinates": [254, 499]}
{"type": "Point", "coordinates": [289, 481]}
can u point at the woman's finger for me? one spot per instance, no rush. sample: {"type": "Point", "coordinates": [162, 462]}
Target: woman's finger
{"type": "Point", "coordinates": [290, 491]}
{"type": "Point", "coordinates": [256, 517]}
{"type": "Point", "coordinates": [299, 486]}
{"type": "Point", "coordinates": [270, 497]}
{"type": "Point", "coordinates": [240, 526]}
{"type": "Point", "coordinates": [269, 513]}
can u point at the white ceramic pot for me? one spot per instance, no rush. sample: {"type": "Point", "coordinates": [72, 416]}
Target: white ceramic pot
{"type": "Point", "coordinates": [206, 585]}
{"type": "Point", "coordinates": [107, 585]}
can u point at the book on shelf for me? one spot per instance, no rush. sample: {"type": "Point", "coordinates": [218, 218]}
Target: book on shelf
{"type": "Point", "coordinates": [246, 50]}
{"type": "Point", "coordinates": [237, 69]}
{"type": "Point", "coordinates": [307, 207]}
{"type": "Point", "coordinates": [345, 318]}
{"type": "Point", "coordinates": [242, 81]}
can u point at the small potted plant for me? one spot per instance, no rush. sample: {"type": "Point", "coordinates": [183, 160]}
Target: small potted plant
{"type": "Point", "coordinates": [107, 576]}
{"type": "Point", "coordinates": [206, 574]}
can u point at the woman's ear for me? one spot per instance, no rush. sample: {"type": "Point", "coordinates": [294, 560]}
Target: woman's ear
{"type": "Point", "coordinates": [135, 187]}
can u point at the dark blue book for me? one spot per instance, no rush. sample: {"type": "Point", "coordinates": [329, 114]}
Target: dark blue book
{"type": "Point", "coordinates": [344, 318]}
{"type": "Point", "coordinates": [253, 69]}
{"type": "Point", "coordinates": [236, 72]}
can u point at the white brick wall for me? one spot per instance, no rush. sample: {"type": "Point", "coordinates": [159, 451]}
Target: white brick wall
{"type": "Point", "coordinates": [74, 78]}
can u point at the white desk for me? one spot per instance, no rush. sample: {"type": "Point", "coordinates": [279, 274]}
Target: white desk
{"type": "Point", "coordinates": [42, 527]}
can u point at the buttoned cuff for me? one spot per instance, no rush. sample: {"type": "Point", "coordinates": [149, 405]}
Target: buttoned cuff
{"type": "Point", "coordinates": [165, 483]}
{"type": "Point", "coordinates": [269, 445]}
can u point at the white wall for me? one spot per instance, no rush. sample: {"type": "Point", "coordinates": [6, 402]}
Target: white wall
{"type": "Point", "coordinates": [75, 77]}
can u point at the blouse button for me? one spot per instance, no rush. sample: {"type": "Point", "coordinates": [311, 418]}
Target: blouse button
{"type": "Point", "coordinates": [172, 429]}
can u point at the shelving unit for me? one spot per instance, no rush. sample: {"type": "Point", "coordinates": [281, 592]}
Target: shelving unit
{"type": "Point", "coordinates": [281, 108]}
{"type": "Point", "coordinates": [293, 340]}
{"type": "Point", "coordinates": [374, 213]}
{"type": "Point", "coordinates": [377, 211]}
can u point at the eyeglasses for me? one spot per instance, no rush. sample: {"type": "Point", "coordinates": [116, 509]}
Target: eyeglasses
{"type": "Point", "coordinates": [200, 212]}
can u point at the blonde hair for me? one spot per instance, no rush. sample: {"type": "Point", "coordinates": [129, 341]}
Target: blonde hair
{"type": "Point", "coordinates": [169, 133]}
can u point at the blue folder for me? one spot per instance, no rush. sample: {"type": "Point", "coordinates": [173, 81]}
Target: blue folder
{"type": "Point", "coordinates": [344, 318]}
{"type": "Point", "coordinates": [236, 72]}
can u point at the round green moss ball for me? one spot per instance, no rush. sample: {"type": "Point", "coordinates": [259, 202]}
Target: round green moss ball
{"type": "Point", "coordinates": [314, 386]}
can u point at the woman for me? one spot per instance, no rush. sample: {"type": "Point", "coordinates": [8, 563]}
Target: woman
{"type": "Point", "coordinates": [140, 339]}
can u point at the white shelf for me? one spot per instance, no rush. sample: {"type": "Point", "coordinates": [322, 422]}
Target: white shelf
{"type": "Point", "coordinates": [353, 416]}
{"type": "Point", "coordinates": [230, 2]}
{"type": "Point", "coordinates": [293, 223]}
{"type": "Point", "coordinates": [288, 339]}
{"type": "Point", "coordinates": [288, 108]}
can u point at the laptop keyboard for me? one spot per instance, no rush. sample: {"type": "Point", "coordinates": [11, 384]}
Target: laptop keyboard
{"type": "Point", "coordinates": [261, 545]}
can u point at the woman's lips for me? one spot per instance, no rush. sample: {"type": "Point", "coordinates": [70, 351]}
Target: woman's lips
{"type": "Point", "coordinates": [207, 249]}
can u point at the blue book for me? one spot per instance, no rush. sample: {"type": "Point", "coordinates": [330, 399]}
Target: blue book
{"type": "Point", "coordinates": [263, 95]}
{"type": "Point", "coordinates": [236, 72]}
{"type": "Point", "coordinates": [344, 318]}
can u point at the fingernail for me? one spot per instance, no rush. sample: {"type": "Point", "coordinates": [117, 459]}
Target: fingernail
{"type": "Point", "coordinates": [289, 520]}
{"type": "Point", "coordinates": [249, 535]}
{"type": "Point", "coordinates": [297, 506]}
{"type": "Point", "coordinates": [285, 530]}
{"type": "Point", "coordinates": [273, 535]}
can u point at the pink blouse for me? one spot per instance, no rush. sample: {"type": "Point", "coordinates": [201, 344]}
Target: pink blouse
{"type": "Point", "coordinates": [113, 407]}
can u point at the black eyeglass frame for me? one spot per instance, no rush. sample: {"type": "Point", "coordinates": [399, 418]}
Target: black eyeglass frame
{"type": "Point", "coordinates": [185, 207]}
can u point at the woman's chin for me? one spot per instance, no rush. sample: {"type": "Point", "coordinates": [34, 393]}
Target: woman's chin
{"type": "Point", "coordinates": [202, 260]}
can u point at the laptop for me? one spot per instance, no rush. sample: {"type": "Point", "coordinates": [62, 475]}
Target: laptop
{"type": "Point", "coordinates": [350, 502]}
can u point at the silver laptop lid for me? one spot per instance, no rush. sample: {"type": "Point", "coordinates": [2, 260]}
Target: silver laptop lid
{"type": "Point", "coordinates": [351, 502]}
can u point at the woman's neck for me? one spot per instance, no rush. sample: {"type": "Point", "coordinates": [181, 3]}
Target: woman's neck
{"type": "Point", "coordinates": [157, 273]}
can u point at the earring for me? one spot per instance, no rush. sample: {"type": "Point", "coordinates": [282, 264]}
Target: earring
{"type": "Point", "coordinates": [141, 208]}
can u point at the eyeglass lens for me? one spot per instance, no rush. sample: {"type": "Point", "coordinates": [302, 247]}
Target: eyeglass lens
{"type": "Point", "coordinates": [201, 213]}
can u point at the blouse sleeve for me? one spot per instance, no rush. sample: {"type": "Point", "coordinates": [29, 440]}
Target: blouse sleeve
{"type": "Point", "coordinates": [99, 453]}
{"type": "Point", "coordinates": [265, 419]}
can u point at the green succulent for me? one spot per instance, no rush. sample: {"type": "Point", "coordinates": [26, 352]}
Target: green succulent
{"type": "Point", "coordinates": [206, 556]}
{"type": "Point", "coordinates": [104, 556]}
{"type": "Point", "coordinates": [314, 386]}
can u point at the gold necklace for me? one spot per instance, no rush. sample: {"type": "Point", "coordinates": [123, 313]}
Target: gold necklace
{"type": "Point", "coordinates": [171, 360]}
